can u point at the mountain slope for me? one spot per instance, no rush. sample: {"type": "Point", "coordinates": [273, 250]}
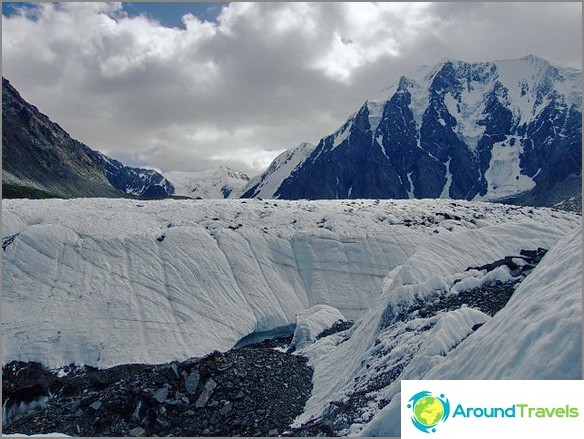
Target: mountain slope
{"type": "Point", "coordinates": [266, 184]}
{"type": "Point", "coordinates": [37, 153]}
{"type": "Point", "coordinates": [143, 183]}
{"type": "Point", "coordinates": [40, 154]}
{"type": "Point", "coordinates": [216, 183]}
{"type": "Point", "coordinates": [456, 130]}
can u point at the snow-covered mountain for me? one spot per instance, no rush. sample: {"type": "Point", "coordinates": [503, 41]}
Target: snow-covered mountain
{"type": "Point", "coordinates": [485, 131]}
{"type": "Point", "coordinates": [104, 282]}
{"type": "Point", "coordinates": [267, 183]}
{"type": "Point", "coordinates": [141, 182]}
{"type": "Point", "coordinates": [222, 182]}
{"type": "Point", "coordinates": [37, 153]}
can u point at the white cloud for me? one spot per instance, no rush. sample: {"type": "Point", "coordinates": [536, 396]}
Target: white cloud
{"type": "Point", "coordinates": [264, 77]}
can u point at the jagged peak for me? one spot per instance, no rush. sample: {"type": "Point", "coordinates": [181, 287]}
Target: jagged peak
{"type": "Point", "coordinates": [534, 59]}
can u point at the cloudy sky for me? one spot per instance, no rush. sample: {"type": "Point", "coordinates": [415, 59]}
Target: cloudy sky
{"type": "Point", "coordinates": [192, 86]}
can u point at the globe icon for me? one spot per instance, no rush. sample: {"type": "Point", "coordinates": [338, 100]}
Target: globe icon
{"type": "Point", "coordinates": [428, 411]}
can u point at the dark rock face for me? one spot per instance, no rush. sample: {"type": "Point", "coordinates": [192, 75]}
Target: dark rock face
{"type": "Point", "coordinates": [554, 160]}
{"type": "Point", "coordinates": [435, 136]}
{"type": "Point", "coordinates": [143, 183]}
{"type": "Point", "coordinates": [251, 391]}
{"type": "Point", "coordinates": [39, 153]}
{"type": "Point", "coordinates": [337, 171]}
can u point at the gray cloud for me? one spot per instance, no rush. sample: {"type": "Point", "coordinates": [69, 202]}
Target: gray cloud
{"type": "Point", "coordinates": [263, 78]}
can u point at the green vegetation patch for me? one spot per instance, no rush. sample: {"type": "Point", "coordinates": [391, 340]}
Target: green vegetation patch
{"type": "Point", "coordinates": [15, 191]}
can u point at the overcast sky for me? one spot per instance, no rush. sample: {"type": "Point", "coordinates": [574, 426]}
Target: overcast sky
{"type": "Point", "coordinates": [236, 84]}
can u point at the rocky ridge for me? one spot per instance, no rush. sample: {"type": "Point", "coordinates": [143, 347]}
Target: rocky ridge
{"type": "Point", "coordinates": [38, 153]}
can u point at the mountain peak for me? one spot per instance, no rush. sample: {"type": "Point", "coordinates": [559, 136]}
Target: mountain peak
{"type": "Point", "coordinates": [534, 59]}
{"type": "Point", "coordinates": [457, 129]}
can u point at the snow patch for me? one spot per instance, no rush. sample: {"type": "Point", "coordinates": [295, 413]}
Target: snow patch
{"type": "Point", "coordinates": [504, 177]}
{"type": "Point", "coordinates": [468, 112]}
{"type": "Point", "coordinates": [479, 279]}
{"type": "Point", "coordinates": [411, 189]}
{"type": "Point", "coordinates": [375, 109]}
{"type": "Point", "coordinates": [446, 189]}
{"type": "Point", "coordinates": [342, 135]}
{"type": "Point", "coordinates": [36, 435]}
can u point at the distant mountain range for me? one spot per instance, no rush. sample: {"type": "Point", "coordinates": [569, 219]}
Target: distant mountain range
{"type": "Point", "coordinates": [222, 182]}
{"type": "Point", "coordinates": [38, 156]}
{"type": "Point", "coordinates": [508, 131]}
{"type": "Point", "coordinates": [504, 130]}
{"type": "Point", "coordinates": [141, 182]}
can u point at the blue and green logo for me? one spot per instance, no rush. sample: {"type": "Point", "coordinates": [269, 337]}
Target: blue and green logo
{"type": "Point", "coordinates": [428, 410]}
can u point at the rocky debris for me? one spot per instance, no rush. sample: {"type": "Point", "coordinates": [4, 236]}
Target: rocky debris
{"type": "Point", "coordinates": [251, 391]}
{"type": "Point", "coordinates": [206, 393]}
{"type": "Point", "coordinates": [488, 298]}
{"type": "Point", "coordinates": [530, 259]}
{"type": "Point", "coordinates": [161, 394]}
{"type": "Point", "coordinates": [338, 326]}
{"type": "Point", "coordinates": [571, 204]}
{"type": "Point", "coordinates": [192, 382]}
{"type": "Point", "coordinates": [25, 386]}
{"type": "Point", "coordinates": [7, 241]}
{"type": "Point", "coordinates": [137, 432]}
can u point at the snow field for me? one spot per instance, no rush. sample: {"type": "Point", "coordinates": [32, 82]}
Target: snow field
{"type": "Point", "coordinates": [211, 184]}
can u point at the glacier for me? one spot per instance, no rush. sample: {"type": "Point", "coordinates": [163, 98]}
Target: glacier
{"type": "Point", "coordinates": [104, 282]}
{"type": "Point", "coordinates": [537, 335]}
